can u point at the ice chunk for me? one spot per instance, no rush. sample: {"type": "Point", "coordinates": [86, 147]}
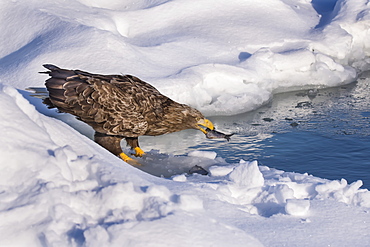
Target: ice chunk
{"type": "Point", "coordinates": [283, 193]}
{"type": "Point", "coordinates": [179, 178]}
{"type": "Point", "coordinates": [220, 170]}
{"type": "Point", "coordinates": [247, 174]}
{"type": "Point", "coordinates": [203, 154]}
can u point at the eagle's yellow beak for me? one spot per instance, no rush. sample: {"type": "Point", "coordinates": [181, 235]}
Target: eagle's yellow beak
{"type": "Point", "coordinates": [205, 123]}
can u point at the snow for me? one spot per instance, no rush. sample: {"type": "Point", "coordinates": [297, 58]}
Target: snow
{"type": "Point", "coordinates": [297, 207]}
{"type": "Point", "coordinates": [224, 60]}
{"type": "Point", "coordinates": [59, 188]}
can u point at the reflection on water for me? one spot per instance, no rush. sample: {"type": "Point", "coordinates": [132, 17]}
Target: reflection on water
{"type": "Point", "coordinates": [324, 132]}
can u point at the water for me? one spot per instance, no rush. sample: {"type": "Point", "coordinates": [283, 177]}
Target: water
{"type": "Point", "coordinates": [323, 132]}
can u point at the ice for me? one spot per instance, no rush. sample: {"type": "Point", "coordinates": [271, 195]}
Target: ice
{"type": "Point", "coordinates": [205, 154]}
{"type": "Point", "coordinates": [179, 178]}
{"type": "Point", "coordinates": [220, 170]}
{"type": "Point", "coordinates": [59, 188]}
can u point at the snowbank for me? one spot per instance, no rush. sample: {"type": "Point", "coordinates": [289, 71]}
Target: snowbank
{"type": "Point", "coordinates": [59, 188]}
{"type": "Point", "coordinates": [61, 197]}
{"type": "Point", "coordinates": [225, 59]}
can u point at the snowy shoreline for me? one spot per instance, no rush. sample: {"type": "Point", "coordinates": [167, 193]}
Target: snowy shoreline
{"type": "Point", "coordinates": [59, 188]}
{"type": "Point", "coordinates": [66, 190]}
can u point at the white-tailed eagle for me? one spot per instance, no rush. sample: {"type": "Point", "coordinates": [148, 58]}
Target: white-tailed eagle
{"type": "Point", "coordinates": [119, 106]}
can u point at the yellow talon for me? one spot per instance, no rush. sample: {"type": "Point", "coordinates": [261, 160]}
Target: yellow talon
{"type": "Point", "coordinates": [129, 160]}
{"type": "Point", "coordinates": [139, 152]}
{"type": "Point", "coordinates": [124, 157]}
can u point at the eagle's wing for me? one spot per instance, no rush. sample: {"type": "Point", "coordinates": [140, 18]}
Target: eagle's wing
{"type": "Point", "coordinates": [146, 99]}
{"type": "Point", "coordinates": [110, 104]}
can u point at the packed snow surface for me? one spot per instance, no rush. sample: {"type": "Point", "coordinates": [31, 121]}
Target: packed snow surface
{"type": "Point", "coordinates": [219, 56]}
{"type": "Point", "coordinates": [59, 188]}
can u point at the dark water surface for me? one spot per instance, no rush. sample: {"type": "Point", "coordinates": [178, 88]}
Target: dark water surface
{"type": "Point", "coordinates": [323, 132]}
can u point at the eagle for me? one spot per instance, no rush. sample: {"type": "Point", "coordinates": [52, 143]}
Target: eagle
{"type": "Point", "coordinates": [119, 107]}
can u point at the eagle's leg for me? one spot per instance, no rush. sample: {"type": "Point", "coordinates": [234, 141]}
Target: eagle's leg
{"type": "Point", "coordinates": [112, 144]}
{"type": "Point", "coordinates": [133, 142]}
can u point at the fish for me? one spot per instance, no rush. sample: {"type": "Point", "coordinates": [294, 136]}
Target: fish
{"type": "Point", "coordinates": [213, 134]}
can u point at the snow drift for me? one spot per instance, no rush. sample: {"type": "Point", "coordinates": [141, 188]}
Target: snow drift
{"type": "Point", "coordinates": [222, 58]}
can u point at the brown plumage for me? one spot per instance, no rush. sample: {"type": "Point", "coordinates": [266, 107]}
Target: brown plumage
{"type": "Point", "coordinates": [119, 106]}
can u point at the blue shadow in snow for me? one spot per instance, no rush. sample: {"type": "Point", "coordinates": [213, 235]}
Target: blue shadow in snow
{"type": "Point", "coordinates": [25, 54]}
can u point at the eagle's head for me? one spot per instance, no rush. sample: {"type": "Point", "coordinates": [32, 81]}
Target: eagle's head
{"type": "Point", "coordinates": [196, 120]}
